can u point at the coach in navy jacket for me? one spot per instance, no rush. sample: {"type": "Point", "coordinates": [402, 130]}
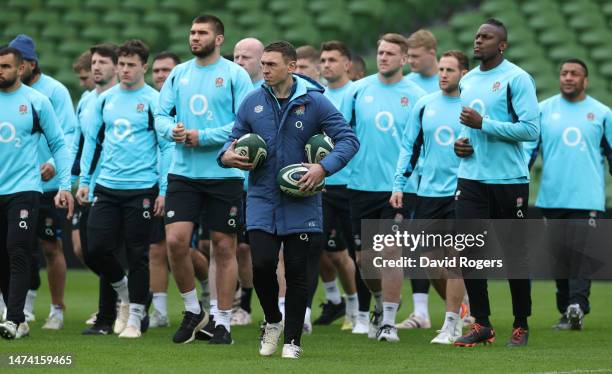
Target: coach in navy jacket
{"type": "Point", "coordinates": [286, 128]}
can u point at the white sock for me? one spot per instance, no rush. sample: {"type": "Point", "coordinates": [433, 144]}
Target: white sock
{"type": "Point", "coordinates": [332, 292]}
{"type": "Point", "coordinates": [352, 305]}
{"type": "Point", "coordinates": [2, 304]}
{"type": "Point", "coordinates": [307, 315]}
{"type": "Point", "coordinates": [420, 304]}
{"type": "Point", "coordinates": [137, 312]}
{"type": "Point", "coordinates": [56, 310]}
{"type": "Point", "coordinates": [29, 303]}
{"type": "Point", "coordinates": [389, 313]}
{"type": "Point", "coordinates": [213, 308]}
{"type": "Point", "coordinates": [379, 301]}
{"type": "Point", "coordinates": [191, 301]}
{"type": "Point", "coordinates": [223, 318]}
{"type": "Point", "coordinates": [281, 306]}
{"type": "Point", "coordinates": [160, 303]}
{"type": "Point", "coordinates": [121, 288]}
{"type": "Point", "coordinates": [450, 320]}
{"type": "Point", "coordinates": [363, 316]}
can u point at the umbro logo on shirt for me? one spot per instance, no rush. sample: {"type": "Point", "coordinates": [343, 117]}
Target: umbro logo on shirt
{"type": "Point", "coordinates": [258, 109]}
{"type": "Point", "coordinates": [369, 99]}
{"type": "Point", "coordinates": [23, 109]}
{"type": "Point", "coordinates": [184, 81]}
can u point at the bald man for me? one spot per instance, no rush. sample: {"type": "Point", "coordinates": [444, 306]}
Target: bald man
{"type": "Point", "coordinates": [247, 54]}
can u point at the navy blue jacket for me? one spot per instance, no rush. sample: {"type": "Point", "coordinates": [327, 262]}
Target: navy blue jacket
{"type": "Point", "coordinates": [286, 129]}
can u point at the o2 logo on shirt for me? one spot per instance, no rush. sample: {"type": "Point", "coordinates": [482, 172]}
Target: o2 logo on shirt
{"type": "Point", "coordinates": [444, 135]}
{"type": "Point", "coordinates": [384, 121]}
{"type": "Point", "coordinates": [8, 134]}
{"type": "Point", "coordinates": [479, 106]}
{"type": "Point", "coordinates": [198, 105]}
{"type": "Point", "coordinates": [122, 129]}
{"type": "Point", "coordinates": [572, 137]}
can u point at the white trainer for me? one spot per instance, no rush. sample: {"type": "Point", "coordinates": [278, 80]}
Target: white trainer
{"type": "Point", "coordinates": [291, 351]}
{"type": "Point", "coordinates": [414, 321]}
{"type": "Point", "coordinates": [387, 333]}
{"type": "Point", "coordinates": [8, 330]}
{"type": "Point", "coordinates": [130, 331]}
{"type": "Point", "coordinates": [269, 339]}
{"type": "Point", "coordinates": [444, 337]}
{"type": "Point", "coordinates": [450, 331]}
{"type": "Point", "coordinates": [362, 326]}
{"type": "Point", "coordinates": [240, 317]}
{"type": "Point", "coordinates": [2, 310]}
{"type": "Point", "coordinates": [23, 330]}
{"type": "Point", "coordinates": [122, 318]}
{"type": "Point", "coordinates": [54, 322]}
{"type": "Point", "coordinates": [348, 323]}
{"type": "Point", "coordinates": [156, 319]}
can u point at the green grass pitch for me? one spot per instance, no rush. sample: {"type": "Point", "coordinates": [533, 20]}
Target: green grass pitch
{"type": "Point", "coordinates": [328, 350]}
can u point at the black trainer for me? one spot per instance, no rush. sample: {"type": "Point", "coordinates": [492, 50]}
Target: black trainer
{"type": "Point", "coordinates": [190, 325]}
{"type": "Point", "coordinates": [330, 313]}
{"type": "Point", "coordinates": [221, 336]}
{"type": "Point", "coordinates": [478, 334]}
{"type": "Point", "coordinates": [563, 324]}
{"type": "Point", "coordinates": [519, 337]}
{"type": "Point", "coordinates": [100, 327]}
{"type": "Point", "coordinates": [207, 332]}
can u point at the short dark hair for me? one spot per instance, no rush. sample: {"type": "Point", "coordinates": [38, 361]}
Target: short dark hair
{"type": "Point", "coordinates": [308, 52]}
{"type": "Point", "coordinates": [359, 63]}
{"type": "Point", "coordinates": [499, 24]}
{"type": "Point", "coordinates": [105, 50]}
{"type": "Point", "coordinates": [83, 62]}
{"type": "Point", "coordinates": [165, 54]}
{"type": "Point", "coordinates": [462, 59]}
{"type": "Point", "coordinates": [335, 45]}
{"type": "Point", "coordinates": [134, 47]}
{"type": "Point", "coordinates": [285, 48]}
{"type": "Point", "coordinates": [579, 62]}
{"type": "Point", "coordinates": [4, 51]}
{"type": "Point", "coordinates": [213, 20]}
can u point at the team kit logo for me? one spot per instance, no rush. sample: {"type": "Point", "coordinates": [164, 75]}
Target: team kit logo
{"type": "Point", "coordinates": [496, 86]}
{"type": "Point", "coordinates": [219, 82]}
{"type": "Point", "coordinates": [23, 109]}
{"type": "Point", "coordinates": [299, 111]}
{"type": "Point", "coordinates": [591, 116]}
{"type": "Point", "coordinates": [404, 101]}
{"type": "Point", "coordinates": [140, 108]}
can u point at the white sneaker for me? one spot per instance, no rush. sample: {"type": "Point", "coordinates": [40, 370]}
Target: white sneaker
{"type": "Point", "coordinates": [269, 339]}
{"type": "Point", "coordinates": [29, 316]}
{"type": "Point", "coordinates": [54, 322]}
{"type": "Point", "coordinates": [8, 330]}
{"type": "Point", "coordinates": [122, 318]}
{"type": "Point", "coordinates": [291, 350]}
{"type": "Point", "coordinates": [240, 317]}
{"type": "Point", "coordinates": [2, 310]}
{"type": "Point", "coordinates": [414, 321]}
{"type": "Point", "coordinates": [23, 330]}
{"type": "Point", "coordinates": [374, 325]}
{"type": "Point", "coordinates": [387, 333]}
{"type": "Point", "coordinates": [156, 319]}
{"type": "Point", "coordinates": [361, 326]}
{"type": "Point", "coordinates": [92, 319]}
{"type": "Point", "coordinates": [130, 332]}
{"type": "Point", "coordinates": [445, 337]}
{"type": "Point", "coordinates": [306, 328]}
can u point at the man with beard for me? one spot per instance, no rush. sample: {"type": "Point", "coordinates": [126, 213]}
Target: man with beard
{"type": "Point", "coordinates": [382, 106]}
{"type": "Point", "coordinates": [26, 115]}
{"type": "Point", "coordinates": [50, 220]}
{"type": "Point", "coordinates": [576, 128]}
{"type": "Point", "coordinates": [197, 108]}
